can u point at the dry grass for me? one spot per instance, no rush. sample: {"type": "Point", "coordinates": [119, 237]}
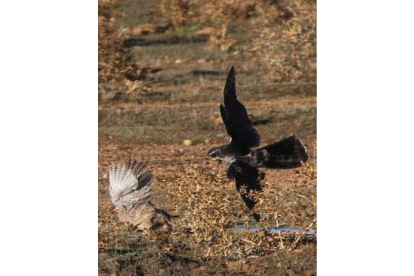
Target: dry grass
{"type": "Point", "coordinates": [147, 115]}
{"type": "Point", "coordinates": [217, 14]}
{"type": "Point", "coordinates": [119, 74]}
{"type": "Point", "coordinates": [285, 30]}
{"type": "Point", "coordinates": [209, 207]}
{"type": "Point", "coordinates": [279, 37]}
{"type": "Point", "coordinates": [188, 12]}
{"type": "Point", "coordinates": [287, 40]}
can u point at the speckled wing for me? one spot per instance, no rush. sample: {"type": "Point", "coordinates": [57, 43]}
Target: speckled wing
{"type": "Point", "coordinates": [129, 184]}
{"type": "Point", "coordinates": [235, 117]}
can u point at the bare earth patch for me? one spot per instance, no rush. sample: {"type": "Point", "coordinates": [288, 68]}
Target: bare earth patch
{"type": "Point", "coordinates": [178, 99]}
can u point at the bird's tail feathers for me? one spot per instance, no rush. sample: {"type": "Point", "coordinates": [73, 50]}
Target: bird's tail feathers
{"type": "Point", "coordinates": [286, 154]}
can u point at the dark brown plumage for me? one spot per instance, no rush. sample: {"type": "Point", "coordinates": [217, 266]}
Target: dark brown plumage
{"type": "Point", "coordinates": [244, 161]}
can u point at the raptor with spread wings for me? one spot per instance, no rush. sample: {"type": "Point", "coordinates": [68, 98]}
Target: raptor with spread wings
{"type": "Point", "coordinates": [245, 161]}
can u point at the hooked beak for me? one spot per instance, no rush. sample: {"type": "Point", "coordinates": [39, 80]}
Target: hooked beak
{"type": "Point", "coordinates": [210, 158]}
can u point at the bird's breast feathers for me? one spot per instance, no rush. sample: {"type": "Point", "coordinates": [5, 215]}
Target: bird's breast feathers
{"type": "Point", "coordinates": [229, 159]}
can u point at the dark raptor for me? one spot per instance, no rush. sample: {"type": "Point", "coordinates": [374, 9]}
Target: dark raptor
{"type": "Point", "coordinates": [244, 161]}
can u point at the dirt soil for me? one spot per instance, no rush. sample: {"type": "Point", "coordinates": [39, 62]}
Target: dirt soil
{"type": "Point", "coordinates": [180, 101]}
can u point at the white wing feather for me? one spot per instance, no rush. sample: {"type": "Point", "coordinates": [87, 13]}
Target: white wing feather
{"type": "Point", "coordinates": [129, 185]}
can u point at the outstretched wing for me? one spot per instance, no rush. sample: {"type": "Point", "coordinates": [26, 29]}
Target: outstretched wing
{"type": "Point", "coordinates": [248, 177]}
{"type": "Point", "coordinates": [235, 118]}
{"type": "Point", "coordinates": [129, 185]}
{"type": "Point", "coordinates": [286, 154]}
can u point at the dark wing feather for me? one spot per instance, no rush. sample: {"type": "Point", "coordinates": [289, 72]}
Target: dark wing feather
{"type": "Point", "coordinates": [286, 154]}
{"type": "Point", "coordinates": [235, 118]}
{"type": "Point", "coordinates": [223, 114]}
{"type": "Point", "coordinates": [248, 177]}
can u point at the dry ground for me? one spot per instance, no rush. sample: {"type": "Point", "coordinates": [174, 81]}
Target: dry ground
{"type": "Point", "coordinates": [123, 251]}
{"type": "Point", "coordinates": [180, 101]}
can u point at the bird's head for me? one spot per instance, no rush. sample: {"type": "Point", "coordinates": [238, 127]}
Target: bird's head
{"type": "Point", "coordinates": [212, 153]}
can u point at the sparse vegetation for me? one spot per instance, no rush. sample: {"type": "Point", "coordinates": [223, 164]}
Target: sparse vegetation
{"type": "Point", "coordinates": [209, 207]}
{"type": "Point", "coordinates": [161, 88]}
{"type": "Point", "coordinates": [119, 73]}
{"type": "Point", "coordinates": [287, 40]}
